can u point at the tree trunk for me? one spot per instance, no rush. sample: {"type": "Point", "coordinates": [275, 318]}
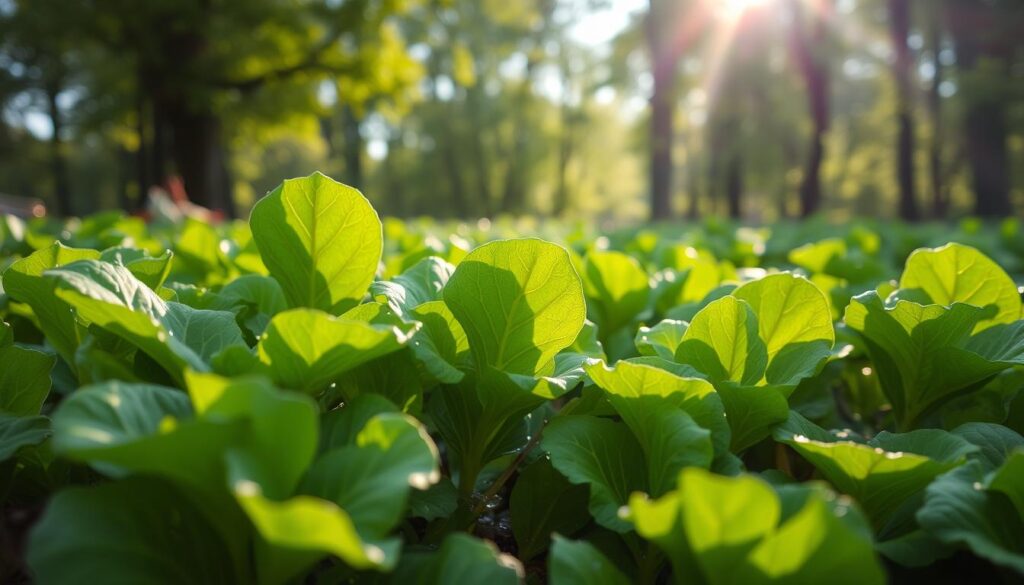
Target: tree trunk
{"type": "Point", "coordinates": [899, 30]}
{"type": "Point", "coordinates": [985, 111]}
{"type": "Point", "coordinates": [940, 203]}
{"type": "Point", "coordinates": [734, 186]}
{"type": "Point", "coordinates": [815, 75]}
{"type": "Point", "coordinates": [201, 159]}
{"type": "Point", "coordinates": [353, 147]}
{"type": "Point", "coordinates": [61, 187]}
{"type": "Point", "coordinates": [664, 58]}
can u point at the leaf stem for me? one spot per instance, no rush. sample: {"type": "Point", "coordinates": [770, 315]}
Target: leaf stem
{"type": "Point", "coordinates": [502, 479]}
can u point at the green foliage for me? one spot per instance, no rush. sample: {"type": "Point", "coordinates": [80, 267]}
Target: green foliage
{"type": "Point", "coordinates": [224, 417]}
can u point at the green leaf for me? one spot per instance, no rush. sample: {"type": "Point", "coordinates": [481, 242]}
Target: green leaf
{"type": "Point", "coordinates": [662, 340]}
{"type": "Point", "coordinates": [575, 562]}
{"type": "Point", "coordinates": [956, 273]}
{"type": "Point", "coordinates": [307, 349]}
{"type": "Point", "coordinates": [1009, 479]}
{"type": "Point", "coordinates": [544, 502]}
{"type": "Point", "coordinates": [138, 530]}
{"type": "Point", "coordinates": [882, 474]}
{"type": "Point", "coordinates": [520, 303]}
{"type": "Point", "coordinates": [21, 431]}
{"type": "Point", "coordinates": [602, 454]}
{"type": "Point", "coordinates": [994, 442]}
{"type": "Point", "coordinates": [617, 286]}
{"type": "Point", "coordinates": [175, 336]}
{"type": "Point", "coordinates": [370, 477]}
{"type": "Point", "coordinates": [794, 322]}
{"type": "Point", "coordinates": [24, 282]}
{"type": "Point", "coordinates": [958, 510]}
{"type": "Point", "coordinates": [422, 283]}
{"type": "Point", "coordinates": [138, 428]}
{"type": "Point", "coordinates": [23, 387]}
{"type": "Point", "coordinates": [734, 530]}
{"type": "Point", "coordinates": [926, 355]}
{"type": "Point", "coordinates": [441, 344]}
{"type": "Point", "coordinates": [152, 271]}
{"type": "Point", "coordinates": [296, 533]}
{"type": "Point", "coordinates": [279, 430]}
{"type": "Point", "coordinates": [438, 501]}
{"type": "Point", "coordinates": [722, 342]}
{"type": "Point", "coordinates": [671, 417]}
{"type": "Point", "coordinates": [320, 239]}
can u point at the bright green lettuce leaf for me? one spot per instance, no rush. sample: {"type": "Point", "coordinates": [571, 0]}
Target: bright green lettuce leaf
{"type": "Point", "coordinates": [816, 256]}
{"type": "Point", "coordinates": [575, 562]}
{"type": "Point", "coordinates": [602, 454]}
{"type": "Point", "coordinates": [733, 530]}
{"type": "Point", "coordinates": [176, 336]}
{"type": "Point", "coordinates": [152, 271]}
{"type": "Point", "coordinates": [296, 533]}
{"type": "Point", "coordinates": [520, 303]}
{"type": "Point", "coordinates": [617, 287]}
{"type": "Point", "coordinates": [24, 282]}
{"type": "Point", "coordinates": [673, 418]}
{"type": "Point", "coordinates": [21, 431]}
{"type": "Point", "coordinates": [370, 477]}
{"type": "Point", "coordinates": [441, 344]}
{"type": "Point", "coordinates": [755, 346]}
{"type": "Point", "coordinates": [461, 559]}
{"type": "Point", "coordinates": [662, 339]}
{"type": "Point", "coordinates": [794, 322]}
{"type": "Point", "coordinates": [307, 349]}
{"type": "Point", "coordinates": [138, 530]}
{"type": "Point", "coordinates": [926, 355]}
{"type": "Point", "coordinates": [279, 430]}
{"type": "Point", "coordinates": [544, 502]}
{"type": "Point", "coordinates": [320, 239]}
{"type": "Point", "coordinates": [422, 283]}
{"type": "Point", "coordinates": [885, 472]}
{"type": "Point", "coordinates": [25, 378]}
{"type": "Point", "coordinates": [956, 273]}
{"type": "Point", "coordinates": [124, 428]}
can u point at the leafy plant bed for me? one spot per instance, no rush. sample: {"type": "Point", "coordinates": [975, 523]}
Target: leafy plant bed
{"type": "Point", "coordinates": [313, 397]}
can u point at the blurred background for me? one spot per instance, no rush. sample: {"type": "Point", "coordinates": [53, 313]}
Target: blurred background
{"type": "Point", "coordinates": [603, 110]}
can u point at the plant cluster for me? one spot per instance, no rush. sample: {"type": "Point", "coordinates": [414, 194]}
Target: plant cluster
{"type": "Point", "coordinates": [302, 400]}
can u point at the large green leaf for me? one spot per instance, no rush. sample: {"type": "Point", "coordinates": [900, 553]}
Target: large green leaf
{"type": "Point", "coordinates": [661, 340]}
{"type": "Point", "coordinates": [602, 454]}
{"type": "Point", "coordinates": [544, 502]}
{"type": "Point", "coordinates": [441, 344]}
{"type": "Point", "coordinates": [883, 473]}
{"type": "Point", "coordinates": [575, 562]}
{"type": "Point", "coordinates": [24, 282]}
{"type": "Point", "coordinates": [926, 355]}
{"type": "Point", "coordinates": [175, 335]}
{"type": "Point", "coordinates": [137, 428]}
{"type": "Point", "coordinates": [736, 530]}
{"type": "Point", "coordinates": [320, 239]}
{"type": "Point", "coordinates": [137, 530]}
{"type": "Point", "coordinates": [370, 476]}
{"type": "Point", "coordinates": [520, 303]}
{"type": "Point", "coordinates": [956, 273]}
{"type": "Point", "coordinates": [307, 349]}
{"type": "Point", "coordinates": [673, 418]}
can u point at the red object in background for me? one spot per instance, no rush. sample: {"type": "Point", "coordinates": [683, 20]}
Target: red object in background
{"type": "Point", "coordinates": [170, 201]}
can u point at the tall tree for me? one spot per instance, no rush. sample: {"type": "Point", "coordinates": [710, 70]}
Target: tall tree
{"type": "Point", "coordinates": [986, 35]}
{"type": "Point", "coordinates": [808, 46]}
{"type": "Point", "coordinates": [936, 170]}
{"type": "Point", "coordinates": [902, 68]}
